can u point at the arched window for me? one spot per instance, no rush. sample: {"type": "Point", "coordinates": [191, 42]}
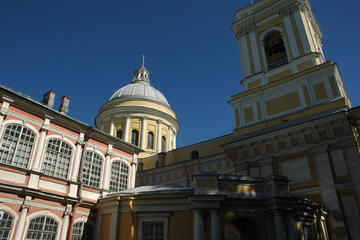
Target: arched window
{"type": "Point", "coordinates": [6, 225]}
{"type": "Point", "coordinates": [82, 231]}
{"type": "Point", "coordinates": [135, 137]}
{"type": "Point", "coordinates": [16, 145]}
{"type": "Point", "coordinates": [119, 134]}
{"type": "Point", "coordinates": [275, 50]}
{"type": "Point", "coordinates": [163, 144]}
{"type": "Point", "coordinates": [57, 158]}
{"type": "Point", "coordinates": [42, 227]}
{"type": "Point", "coordinates": [194, 155]}
{"type": "Point", "coordinates": [119, 176]}
{"type": "Point", "coordinates": [150, 141]}
{"type": "Point", "coordinates": [92, 169]}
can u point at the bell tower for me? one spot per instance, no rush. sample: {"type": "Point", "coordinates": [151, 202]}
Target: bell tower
{"type": "Point", "coordinates": [285, 74]}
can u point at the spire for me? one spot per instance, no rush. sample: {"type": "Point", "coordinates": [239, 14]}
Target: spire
{"type": "Point", "coordinates": [142, 74]}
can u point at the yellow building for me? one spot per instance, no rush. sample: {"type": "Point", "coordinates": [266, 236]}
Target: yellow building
{"type": "Point", "coordinates": [140, 114]}
{"type": "Point", "coordinates": [293, 119]}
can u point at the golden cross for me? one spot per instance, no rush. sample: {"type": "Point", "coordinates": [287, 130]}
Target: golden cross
{"type": "Point", "coordinates": [143, 60]}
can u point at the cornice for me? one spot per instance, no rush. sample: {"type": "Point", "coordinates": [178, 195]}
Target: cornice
{"type": "Point", "coordinates": [281, 7]}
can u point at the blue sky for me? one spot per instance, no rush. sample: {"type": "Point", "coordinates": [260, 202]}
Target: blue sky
{"type": "Point", "coordinates": [88, 49]}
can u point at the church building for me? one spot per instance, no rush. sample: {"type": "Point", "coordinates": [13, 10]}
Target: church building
{"type": "Point", "coordinates": [288, 171]}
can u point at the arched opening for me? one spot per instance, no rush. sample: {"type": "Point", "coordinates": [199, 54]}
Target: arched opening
{"type": "Point", "coordinates": [135, 137]}
{"type": "Point", "coordinates": [119, 134]}
{"type": "Point", "coordinates": [194, 155]}
{"type": "Point", "coordinates": [150, 140]}
{"type": "Point", "coordinates": [241, 229]}
{"type": "Point", "coordinates": [275, 50]}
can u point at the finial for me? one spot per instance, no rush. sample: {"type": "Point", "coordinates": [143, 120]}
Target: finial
{"type": "Point", "coordinates": [143, 60]}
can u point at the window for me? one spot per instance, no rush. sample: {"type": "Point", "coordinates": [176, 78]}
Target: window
{"type": "Point", "coordinates": [57, 158]}
{"type": "Point", "coordinates": [150, 141]}
{"type": "Point", "coordinates": [6, 225]}
{"type": "Point", "coordinates": [194, 155]}
{"type": "Point", "coordinates": [119, 176]}
{"type": "Point", "coordinates": [152, 231]}
{"type": "Point", "coordinates": [82, 231]}
{"type": "Point", "coordinates": [42, 228]}
{"type": "Point", "coordinates": [163, 144]}
{"type": "Point", "coordinates": [119, 134]}
{"type": "Point", "coordinates": [135, 137]}
{"type": "Point", "coordinates": [92, 168]}
{"type": "Point", "coordinates": [275, 50]}
{"type": "Point", "coordinates": [16, 146]}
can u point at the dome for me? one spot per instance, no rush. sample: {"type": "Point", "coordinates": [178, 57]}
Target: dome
{"type": "Point", "coordinates": [140, 88]}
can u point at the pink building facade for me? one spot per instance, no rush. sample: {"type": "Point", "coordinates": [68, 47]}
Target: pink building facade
{"type": "Point", "coordinates": [54, 168]}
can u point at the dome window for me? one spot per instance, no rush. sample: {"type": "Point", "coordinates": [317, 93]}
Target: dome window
{"type": "Point", "coordinates": [275, 50]}
{"type": "Point", "coordinates": [150, 140]}
{"type": "Point", "coordinates": [135, 137]}
{"type": "Point", "coordinates": [194, 155]}
{"type": "Point", "coordinates": [163, 144]}
{"type": "Point", "coordinates": [119, 134]}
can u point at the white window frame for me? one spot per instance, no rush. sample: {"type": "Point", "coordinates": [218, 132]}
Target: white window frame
{"type": "Point", "coordinates": [45, 213]}
{"type": "Point", "coordinates": [13, 214]}
{"type": "Point", "coordinates": [92, 149]}
{"type": "Point", "coordinates": [85, 221]}
{"type": "Point", "coordinates": [129, 173]}
{"type": "Point", "coordinates": [27, 125]}
{"type": "Point", "coordinates": [154, 217]}
{"type": "Point", "coordinates": [61, 138]}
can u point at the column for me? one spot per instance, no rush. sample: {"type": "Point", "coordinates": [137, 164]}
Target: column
{"type": "Point", "coordinates": [215, 225]}
{"type": "Point", "coordinates": [290, 33]}
{"type": "Point", "coordinates": [291, 227]}
{"type": "Point", "coordinates": [270, 226]}
{"type": "Point", "coordinates": [21, 222]}
{"type": "Point", "coordinates": [133, 172]}
{"type": "Point", "coordinates": [43, 131]}
{"type": "Point", "coordinates": [107, 167]}
{"type": "Point", "coordinates": [65, 224]}
{"type": "Point", "coordinates": [198, 225]}
{"type": "Point", "coordinates": [301, 28]}
{"type": "Point", "coordinates": [174, 140]}
{"type": "Point", "coordinates": [245, 50]}
{"type": "Point", "coordinates": [127, 125]}
{"type": "Point", "coordinates": [97, 230]}
{"type": "Point", "coordinates": [77, 160]}
{"type": "Point", "coordinates": [255, 49]}
{"type": "Point", "coordinates": [279, 226]}
{"type": "Point", "coordinates": [169, 139]}
{"type": "Point", "coordinates": [158, 149]}
{"type": "Point", "coordinates": [143, 132]}
{"type": "Point", "coordinates": [112, 127]}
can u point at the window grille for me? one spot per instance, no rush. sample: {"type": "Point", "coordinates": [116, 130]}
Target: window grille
{"type": "Point", "coordinates": [82, 231]}
{"type": "Point", "coordinates": [152, 231]}
{"type": "Point", "coordinates": [16, 145]}
{"type": "Point", "coordinates": [42, 228]}
{"type": "Point", "coordinates": [135, 137]}
{"type": "Point", "coordinates": [119, 176]}
{"type": "Point", "coordinates": [6, 225]}
{"type": "Point", "coordinates": [57, 158]}
{"type": "Point", "coordinates": [150, 141]}
{"type": "Point", "coordinates": [92, 169]}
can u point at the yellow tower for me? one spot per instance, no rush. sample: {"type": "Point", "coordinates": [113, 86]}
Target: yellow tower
{"type": "Point", "coordinates": [286, 76]}
{"type": "Point", "coordinates": [140, 114]}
